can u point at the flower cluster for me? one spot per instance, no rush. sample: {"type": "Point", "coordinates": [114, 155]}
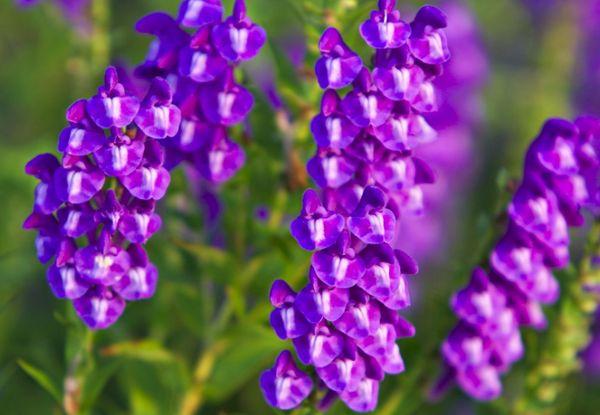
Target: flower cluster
{"type": "Point", "coordinates": [345, 321]}
{"type": "Point", "coordinates": [560, 177]}
{"type": "Point", "coordinates": [95, 208]}
{"type": "Point", "coordinates": [201, 69]}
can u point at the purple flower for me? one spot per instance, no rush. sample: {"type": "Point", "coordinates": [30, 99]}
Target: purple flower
{"type": "Point", "coordinates": [285, 386]}
{"type": "Point", "coordinates": [316, 227]}
{"type": "Point", "coordinates": [238, 38]}
{"type": "Point", "coordinates": [338, 65]}
{"type": "Point", "coordinates": [427, 42]}
{"type": "Point", "coordinates": [197, 13]}
{"type": "Point", "coordinates": [112, 107]}
{"type": "Point", "coordinates": [344, 322]}
{"type": "Point", "coordinates": [201, 67]}
{"type": "Point", "coordinates": [94, 235]}
{"type": "Point", "coordinates": [493, 307]}
{"type": "Point", "coordinates": [385, 29]}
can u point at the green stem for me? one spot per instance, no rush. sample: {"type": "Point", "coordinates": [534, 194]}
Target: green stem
{"type": "Point", "coordinates": [100, 40]}
{"type": "Point", "coordinates": [568, 334]}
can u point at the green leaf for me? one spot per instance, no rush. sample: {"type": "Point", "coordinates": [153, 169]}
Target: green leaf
{"type": "Point", "coordinates": [42, 379]}
{"type": "Point", "coordinates": [242, 360]}
{"type": "Point", "coordinates": [96, 380]}
{"type": "Point", "coordinates": [145, 350]}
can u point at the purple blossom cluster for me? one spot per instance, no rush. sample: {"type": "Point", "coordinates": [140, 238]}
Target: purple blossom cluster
{"type": "Point", "coordinates": [201, 67]}
{"type": "Point", "coordinates": [95, 208]}
{"type": "Point", "coordinates": [345, 321]}
{"type": "Point", "coordinates": [561, 176]}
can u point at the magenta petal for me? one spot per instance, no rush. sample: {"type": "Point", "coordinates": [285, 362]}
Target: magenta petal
{"type": "Point", "coordinates": [99, 308]}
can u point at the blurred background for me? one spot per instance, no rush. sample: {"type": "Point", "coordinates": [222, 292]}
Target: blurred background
{"type": "Point", "coordinates": [200, 343]}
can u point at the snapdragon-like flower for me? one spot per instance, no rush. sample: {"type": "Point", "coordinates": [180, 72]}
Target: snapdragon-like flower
{"type": "Point", "coordinates": [497, 302]}
{"type": "Point", "coordinates": [202, 69]}
{"type": "Point", "coordinates": [345, 321]}
{"type": "Point", "coordinates": [95, 208]}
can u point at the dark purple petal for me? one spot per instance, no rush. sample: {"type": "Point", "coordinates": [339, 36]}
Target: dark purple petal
{"type": "Point", "coordinates": [320, 347]}
{"type": "Point", "coordinates": [120, 157]}
{"type": "Point", "coordinates": [385, 30]}
{"type": "Point", "coordinates": [99, 267]}
{"type": "Point", "coordinates": [317, 233]}
{"type": "Point", "coordinates": [227, 105]}
{"type": "Point", "coordinates": [147, 183]}
{"type": "Point", "coordinates": [76, 221]}
{"type": "Point", "coordinates": [197, 13]}
{"type": "Point", "coordinates": [402, 133]}
{"type": "Point", "coordinates": [99, 308]}
{"type": "Point", "coordinates": [289, 323]}
{"type": "Point", "coordinates": [200, 65]}
{"type": "Point", "coordinates": [238, 42]}
{"type": "Point", "coordinates": [399, 83]}
{"type": "Point", "coordinates": [331, 169]}
{"type": "Point", "coordinates": [317, 302]}
{"type": "Point", "coordinates": [78, 185]}
{"type": "Point", "coordinates": [359, 320]}
{"type": "Point", "coordinates": [364, 397]}
{"type": "Point", "coordinates": [138, 227]}
{"type": "Point", "coordinates": [65, 282]}
{"type": "Point", "coordinates": [366, 110]}
{"type": "Point", "coordinates": [159, 121]}
{"type": "Point", "coordinates": [139, 282]}
{"type": "Point", "coordinates": [110, 112]}
{"type": "Point", "coordinates": [80, 141]}
{"type": "Point", "coordinates": [220, 159]}
{"type": "Point", "coordinates": [339, 66]}
{"type": "Point", "coordinates": [285, 386]}
{"type": "Point", "coordinates": [428, 42]}
{"type": "Point", "coordinates": [344, 373]}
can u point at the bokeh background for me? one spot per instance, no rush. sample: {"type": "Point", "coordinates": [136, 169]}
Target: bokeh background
{"type": "Point", "coordinates": [201, 342]}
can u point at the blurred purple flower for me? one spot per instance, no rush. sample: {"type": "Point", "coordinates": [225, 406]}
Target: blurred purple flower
{"type": "Point", "coordinates": [496, 303]}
